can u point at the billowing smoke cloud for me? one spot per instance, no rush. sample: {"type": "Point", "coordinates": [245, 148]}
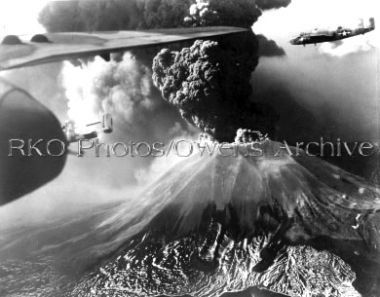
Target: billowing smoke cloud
{"type": "Point", "coordinates": [348, 46]}
{"type": "Point", "coordinates": [103, 15]}
{"type": "Point", "coordinates": [123, 89]}
{"type": "Point", "coordinates": [242, 13]}
{"type": "Point", "coordinates": [201, 14]}
{"type": "Point", "coordinates": [270, 4]}
{"type": "Point", "coordinates": [147, 14]}
{"type": "Point", "coordinates": [210, 84]}
{"type": "Point", "coordinates": [269, 48]}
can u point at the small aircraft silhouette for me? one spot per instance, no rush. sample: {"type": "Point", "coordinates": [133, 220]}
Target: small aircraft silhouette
{"type": "Point", "coordinates": [31, 136]}
{"type": "Point", "coordinates": [319, 36]}
{"type": "Point", "coordinates": [73, 136]}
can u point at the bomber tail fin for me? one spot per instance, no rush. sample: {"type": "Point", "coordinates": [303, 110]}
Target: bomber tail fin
{"type": "Point", "coordinates": [372, 23]}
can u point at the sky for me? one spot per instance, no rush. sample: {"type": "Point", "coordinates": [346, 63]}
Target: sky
{"type": "Point", "coordinates": [334, 81]}
{"type": "Point", "coordinates": [310, 14]}
{"type": "Point", "coordinates": [20, 16]}
{"type": "Point", "coordinates": [306, 15]}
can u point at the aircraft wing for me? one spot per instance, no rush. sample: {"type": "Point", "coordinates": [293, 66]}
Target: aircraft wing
{"type": "Point", "coordinates": [52, 47]}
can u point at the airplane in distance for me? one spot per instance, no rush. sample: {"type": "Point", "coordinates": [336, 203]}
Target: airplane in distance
{"type": "Point", "coordinates": [28, 164]}
{"type": "Point", "coordinates": [73, 136]}
{"type": "Point", "coordinates": [319, 36]}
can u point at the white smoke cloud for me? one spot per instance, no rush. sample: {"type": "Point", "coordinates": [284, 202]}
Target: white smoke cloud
{"type": "Point", "coordinates": [199, 12]}
{"type": "Point", "coordinates": [200, 7]}
{"type": "Point", "coordinates": [122, 89]}
{"type": "Point", "coordinates": [348, 46]}
{"type": "Point", "coordinates": [361, 43]}
{"type": "Point", "coordinates": [184, 142]}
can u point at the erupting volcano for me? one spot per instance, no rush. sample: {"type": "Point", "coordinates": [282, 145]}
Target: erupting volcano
{"type": "Point", "coordinates": [278, 224]}
{"type": "Point", "coordinates": [211, 225]}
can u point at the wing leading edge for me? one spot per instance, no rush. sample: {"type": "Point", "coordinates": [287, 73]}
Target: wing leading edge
{"type": "Point", "coordinates": [53, 47]}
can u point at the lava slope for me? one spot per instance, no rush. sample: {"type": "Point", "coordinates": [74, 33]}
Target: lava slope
{"type": "Point", "coordinates": [213, 224]}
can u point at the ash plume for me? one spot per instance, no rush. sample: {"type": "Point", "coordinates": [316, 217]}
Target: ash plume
{"type": "Point", "coordinates": [217, 79]}
{"type": "Point", "coordinates": [271, 4]}
{"type": "Point", "coordinates": [200, 13]}
{"type": "Point", "coordinates": [123, 89]}
{"type": "Point", "coordinates": [103, 15]}
{"type": "Point", "coordinates": [209, 83]}
{"type": "Point", "coordinates": [58, 16]}
{"type": "Point", "coordinates": [242, 13]}
{"type": "Point", "coordinates": [269, 48]}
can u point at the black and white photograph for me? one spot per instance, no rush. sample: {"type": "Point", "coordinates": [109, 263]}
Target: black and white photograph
{"type": "Point", "coordinates": [189, 148]}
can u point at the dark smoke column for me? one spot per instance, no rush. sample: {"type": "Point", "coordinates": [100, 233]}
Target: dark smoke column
{"type": "Point", "coordinates": [209, 83]}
